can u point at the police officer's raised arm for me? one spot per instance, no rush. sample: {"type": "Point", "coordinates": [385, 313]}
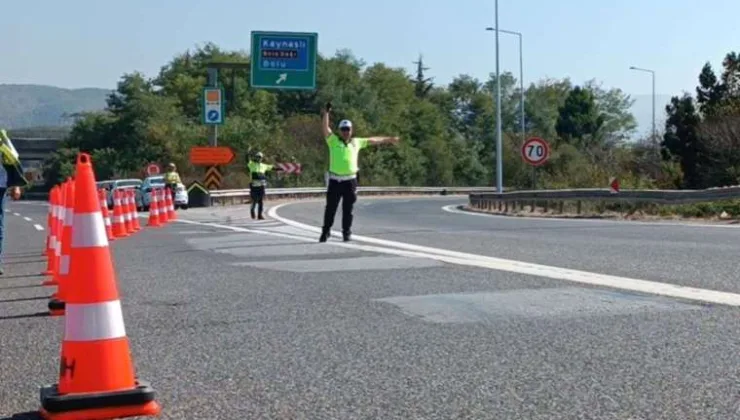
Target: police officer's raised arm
{"type": "Point", "coordinates": [325, 124]}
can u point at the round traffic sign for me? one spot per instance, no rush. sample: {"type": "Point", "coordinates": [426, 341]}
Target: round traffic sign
{"type": "Point", "coordinates": [152, 169]}
{"type": "Point", "coordinates": [535, 151]}
{"type": "Point", "coordinates": [213, 115]}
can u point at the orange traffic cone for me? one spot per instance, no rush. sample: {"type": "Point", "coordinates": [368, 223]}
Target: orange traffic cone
{"type": "Point", "coordinates": [162, 206]}
{"type": "Point", "coordinates": [57, 227]}
{"type": "Point", "coordinates": [106, 217]}
{"type": "Point", "coordinates": [96, 378]}
{"type": "Point", "coordinates": [153, 220]}
{"type": "Point", "coordinates": [135, 226]}
{"type": "Point", "coordinates": [51, 238]}
{"type": "Point", "coordinates": [126, 209]}
{"type": "Point", "coordinates": [170, 204]}
{"type": "Point", "coordinates": [57, 303]}
{"type": "Point", "coordinates": [119, 222]}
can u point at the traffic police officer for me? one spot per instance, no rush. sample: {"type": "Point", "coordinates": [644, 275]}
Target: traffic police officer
{"type": "Point", "coordinates": [11, 180]}
{"type": "Point", "coordinates": [172, 179]}
{"type": "Point", "coordinates": [342, 175]}
{"type": "Point", "coordinates": [257, 171]}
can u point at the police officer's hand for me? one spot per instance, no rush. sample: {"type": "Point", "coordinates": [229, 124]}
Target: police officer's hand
{"type": "Point", "coordinates": [15, 193]}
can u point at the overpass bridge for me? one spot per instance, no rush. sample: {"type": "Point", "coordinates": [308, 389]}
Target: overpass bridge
{"type": "Point", "coordinates": [33, 152]}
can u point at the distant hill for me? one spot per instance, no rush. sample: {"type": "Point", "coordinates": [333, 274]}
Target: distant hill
{"type": "Point", "coordinates": [24, 106]}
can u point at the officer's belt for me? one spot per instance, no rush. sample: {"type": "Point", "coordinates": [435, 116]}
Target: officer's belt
{"type": "Point", "coordinates": [336, 177]}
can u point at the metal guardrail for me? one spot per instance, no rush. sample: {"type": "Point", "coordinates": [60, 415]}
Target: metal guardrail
{"type": "Point", "coordinates": [549, 199]}
{"type": "Point", "coordinates": [241, 196]}
{"type": "Point", "coordinates": [597, 194]}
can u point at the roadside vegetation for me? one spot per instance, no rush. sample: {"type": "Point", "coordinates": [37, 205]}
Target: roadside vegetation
{"type": "Point", "coordinates": [447, 131]}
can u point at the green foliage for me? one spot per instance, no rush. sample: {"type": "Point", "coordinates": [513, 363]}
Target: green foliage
{"type": "Point", "coordinates": [702, 135]}
{"type": "Point", "coordinates": [447, 132]}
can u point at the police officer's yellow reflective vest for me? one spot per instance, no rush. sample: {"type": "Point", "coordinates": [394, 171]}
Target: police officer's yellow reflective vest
{"type": "Point", "coordinates": [11, 162]}
{"type": "Point", "coordinates": [171, 178]}
{"type": "Point", "coordinates": [257, 172]}
{"type": "Point", "coordinates": [7, 150]}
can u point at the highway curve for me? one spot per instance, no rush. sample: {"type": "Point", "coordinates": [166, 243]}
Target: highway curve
{"type": "Point", "coordinates": [230, 318]}
{"type": "Point", "coordinates": [683, 254]}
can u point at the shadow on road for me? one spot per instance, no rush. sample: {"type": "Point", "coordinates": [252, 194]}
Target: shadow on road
{"type": "Point", "coordinates": [25, 299]}
{"type": "Point", "coordinates": [23, 316]}
{"type": "Point", "coordinates": [27, 286]}
{"type": "Point", "coordinates": [30, 415]}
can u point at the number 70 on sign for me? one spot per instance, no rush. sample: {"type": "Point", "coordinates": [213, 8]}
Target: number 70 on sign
{"type": "Point", "coordinates": [535, 151]}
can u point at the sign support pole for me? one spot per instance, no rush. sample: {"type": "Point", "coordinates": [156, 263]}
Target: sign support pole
{"type": "Point", "coordinates": [213, 82]}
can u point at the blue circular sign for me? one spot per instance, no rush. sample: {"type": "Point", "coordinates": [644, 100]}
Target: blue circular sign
{"type": "Point", "coordinates": [213, 115]}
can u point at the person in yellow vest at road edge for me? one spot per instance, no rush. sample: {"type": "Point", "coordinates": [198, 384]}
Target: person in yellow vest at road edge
{"type": "Point", "coordinates": [11, 181]}
{"type": "Point", "coordinates": [342, 176]}
{"type": "Point", "coordinates": [257, 171]}
{"type": "Point", "coordinates": [172, 179]}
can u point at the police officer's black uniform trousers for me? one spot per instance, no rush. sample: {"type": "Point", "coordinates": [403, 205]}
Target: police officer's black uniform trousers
{"type": "Point", "coordinates": [257, 194]}
{"type": "Point", "coordinates": [346, 191]}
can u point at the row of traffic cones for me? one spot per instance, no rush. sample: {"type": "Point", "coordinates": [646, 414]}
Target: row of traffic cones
{"type": "Point", "coordinates": [124, 223]}
{"type": "Point", "coordinates": [96, 373]}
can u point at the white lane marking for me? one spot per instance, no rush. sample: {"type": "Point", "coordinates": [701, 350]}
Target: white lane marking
{"type": "Point", "coordinates": [452, 208]}
{"type": "Point", "coordinates": [38, 227]}
{"type": "Point", "coordinates": [16, 214]}
{"type": "Point", "coordinates": [521, 267]}
{"type": "Point", "coordinates": [28, 219]}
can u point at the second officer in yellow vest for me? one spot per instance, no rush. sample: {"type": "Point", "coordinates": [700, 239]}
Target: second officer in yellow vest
{"type": "Point", "coordinates": [257, 171]}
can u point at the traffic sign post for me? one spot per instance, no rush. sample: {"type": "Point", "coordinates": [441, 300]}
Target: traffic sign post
{"type": "Point", "coordinates": [535, 151]}
{"type": "Point", "coordinates": [152, 169]}
{"type": "Point", "coordinates": [289, 168]}
{"type": "Point", "coordinates": [211, 155]}
{"type": "Point", "coordinates": [213, 178]}
{"type": "Point", "coordinates": [284, 60]}
{"type": "Point", "coordinates": [614, 185]}
{"type": "Point", "coordinates": [213, 106]}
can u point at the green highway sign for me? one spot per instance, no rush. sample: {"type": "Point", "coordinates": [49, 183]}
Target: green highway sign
{"type": "Point", "coordinates": [284, 60]}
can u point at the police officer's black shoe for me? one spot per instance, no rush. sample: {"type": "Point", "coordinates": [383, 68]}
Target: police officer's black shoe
{"type": "Point", "coordinates": [346, 236]}
{"type": "Point", "coordinates": [324, 236]}
{"type": "Point", "coordinates": [261, 217]}
{"type": "Point", "coordinates": [251, 212]}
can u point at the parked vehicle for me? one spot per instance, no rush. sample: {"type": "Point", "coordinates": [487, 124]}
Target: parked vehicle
{"type": "Point", "coordinates": [116, 184]}
{"type": "Point", "coordinates": [181, 195]}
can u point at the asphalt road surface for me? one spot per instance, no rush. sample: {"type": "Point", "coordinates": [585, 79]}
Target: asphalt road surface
{"type": "Point", "coordinates": [231, 318]}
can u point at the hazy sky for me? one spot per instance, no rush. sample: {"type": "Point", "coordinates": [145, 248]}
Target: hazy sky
{"type": "Point", "coordinates": [85, 43]}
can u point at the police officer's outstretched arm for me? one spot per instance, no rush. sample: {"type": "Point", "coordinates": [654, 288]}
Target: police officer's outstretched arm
{"type": "Point", "coordinates": [375, 140]}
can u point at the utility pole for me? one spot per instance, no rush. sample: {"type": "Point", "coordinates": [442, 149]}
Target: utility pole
{"type": "Point", "coordinates": [654, 134]}
{"type": "Point", "coordinates": [499, 152]}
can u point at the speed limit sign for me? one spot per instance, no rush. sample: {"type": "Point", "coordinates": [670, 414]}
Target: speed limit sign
{"type": "Point", "coordinates": [535, 151]}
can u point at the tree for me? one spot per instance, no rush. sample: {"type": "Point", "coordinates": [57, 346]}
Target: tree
{"type": "Point", "coordinates": [579, 119]}
{"type": "Point", "coordinates": [422, 84]}
{"type": "Point", "coordinates": [681, 139]}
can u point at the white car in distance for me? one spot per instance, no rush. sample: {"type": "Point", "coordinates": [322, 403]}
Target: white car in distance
{"type": "Point", "coordinates": [181, 195]}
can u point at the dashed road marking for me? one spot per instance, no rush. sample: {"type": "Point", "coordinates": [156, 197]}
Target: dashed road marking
{"type": "Point", "coordinates": [38, 227]}
{"type": "Point", "coordinates": [28, 219]}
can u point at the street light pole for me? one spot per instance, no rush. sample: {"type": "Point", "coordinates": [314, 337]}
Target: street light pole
{"type": "Point", "coordinates": [654, 133]}
{"type": "Point", "coordinates": [499, 152]}
{"type": "Point", "coordinates": [521, 77]}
